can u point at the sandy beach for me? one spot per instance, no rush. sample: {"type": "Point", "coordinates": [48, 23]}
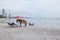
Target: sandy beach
{"type": "Point", "coordinates": [28, 33]}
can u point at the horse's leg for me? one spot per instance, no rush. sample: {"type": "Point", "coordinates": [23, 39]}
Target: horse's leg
{"type": "Point", "coordinates": [20, 24]}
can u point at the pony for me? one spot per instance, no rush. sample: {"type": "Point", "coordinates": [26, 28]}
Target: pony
{"type": "Point", "coordinates": [22, 21]}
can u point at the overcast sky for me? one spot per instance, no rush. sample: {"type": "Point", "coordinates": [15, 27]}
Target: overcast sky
{"type": "Point", "coordinates": [32, 8]}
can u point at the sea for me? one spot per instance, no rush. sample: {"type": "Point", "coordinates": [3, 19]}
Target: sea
{"type": "Point", "coordinates": [40, 22]}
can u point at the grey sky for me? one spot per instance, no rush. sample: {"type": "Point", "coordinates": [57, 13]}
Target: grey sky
{"type": "Point", "coordinates": [32, 8]}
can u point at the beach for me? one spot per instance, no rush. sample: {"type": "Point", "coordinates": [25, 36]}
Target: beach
{"type": "Point", "coordinates": [28, 33]}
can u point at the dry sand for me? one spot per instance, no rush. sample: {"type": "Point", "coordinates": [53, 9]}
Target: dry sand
{"type": "Point", "coordinates": [28, 33]}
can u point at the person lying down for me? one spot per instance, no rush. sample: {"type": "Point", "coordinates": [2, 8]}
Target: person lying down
{"type": "Point", "coordinates": [11, 24]}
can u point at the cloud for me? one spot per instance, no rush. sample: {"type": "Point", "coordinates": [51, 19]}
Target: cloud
{"type": "Point", "coordinates": [39, 8]}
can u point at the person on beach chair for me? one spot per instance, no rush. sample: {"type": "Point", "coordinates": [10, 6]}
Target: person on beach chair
{"type": "Point", "coordinates": [31, 24]}
{"type": "Point", "coordinates": [11, 23]}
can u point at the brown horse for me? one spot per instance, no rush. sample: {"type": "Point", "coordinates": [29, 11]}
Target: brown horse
{"type": "Point", "coordinates": [22, 21]}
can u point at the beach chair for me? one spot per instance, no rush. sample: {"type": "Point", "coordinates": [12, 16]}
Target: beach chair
{"type": "Point", "coordinates": [31, 24]}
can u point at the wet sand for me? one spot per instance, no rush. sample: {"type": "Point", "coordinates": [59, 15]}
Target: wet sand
{"type": "Point", "coordinates": [28, 33]}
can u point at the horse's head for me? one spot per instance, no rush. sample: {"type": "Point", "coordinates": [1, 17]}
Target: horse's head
{"type": "Point", "coordinates": [17, 20]}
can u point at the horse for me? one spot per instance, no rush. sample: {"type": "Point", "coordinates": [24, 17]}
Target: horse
{"type": "Point", "coordinates": [22, 21]}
